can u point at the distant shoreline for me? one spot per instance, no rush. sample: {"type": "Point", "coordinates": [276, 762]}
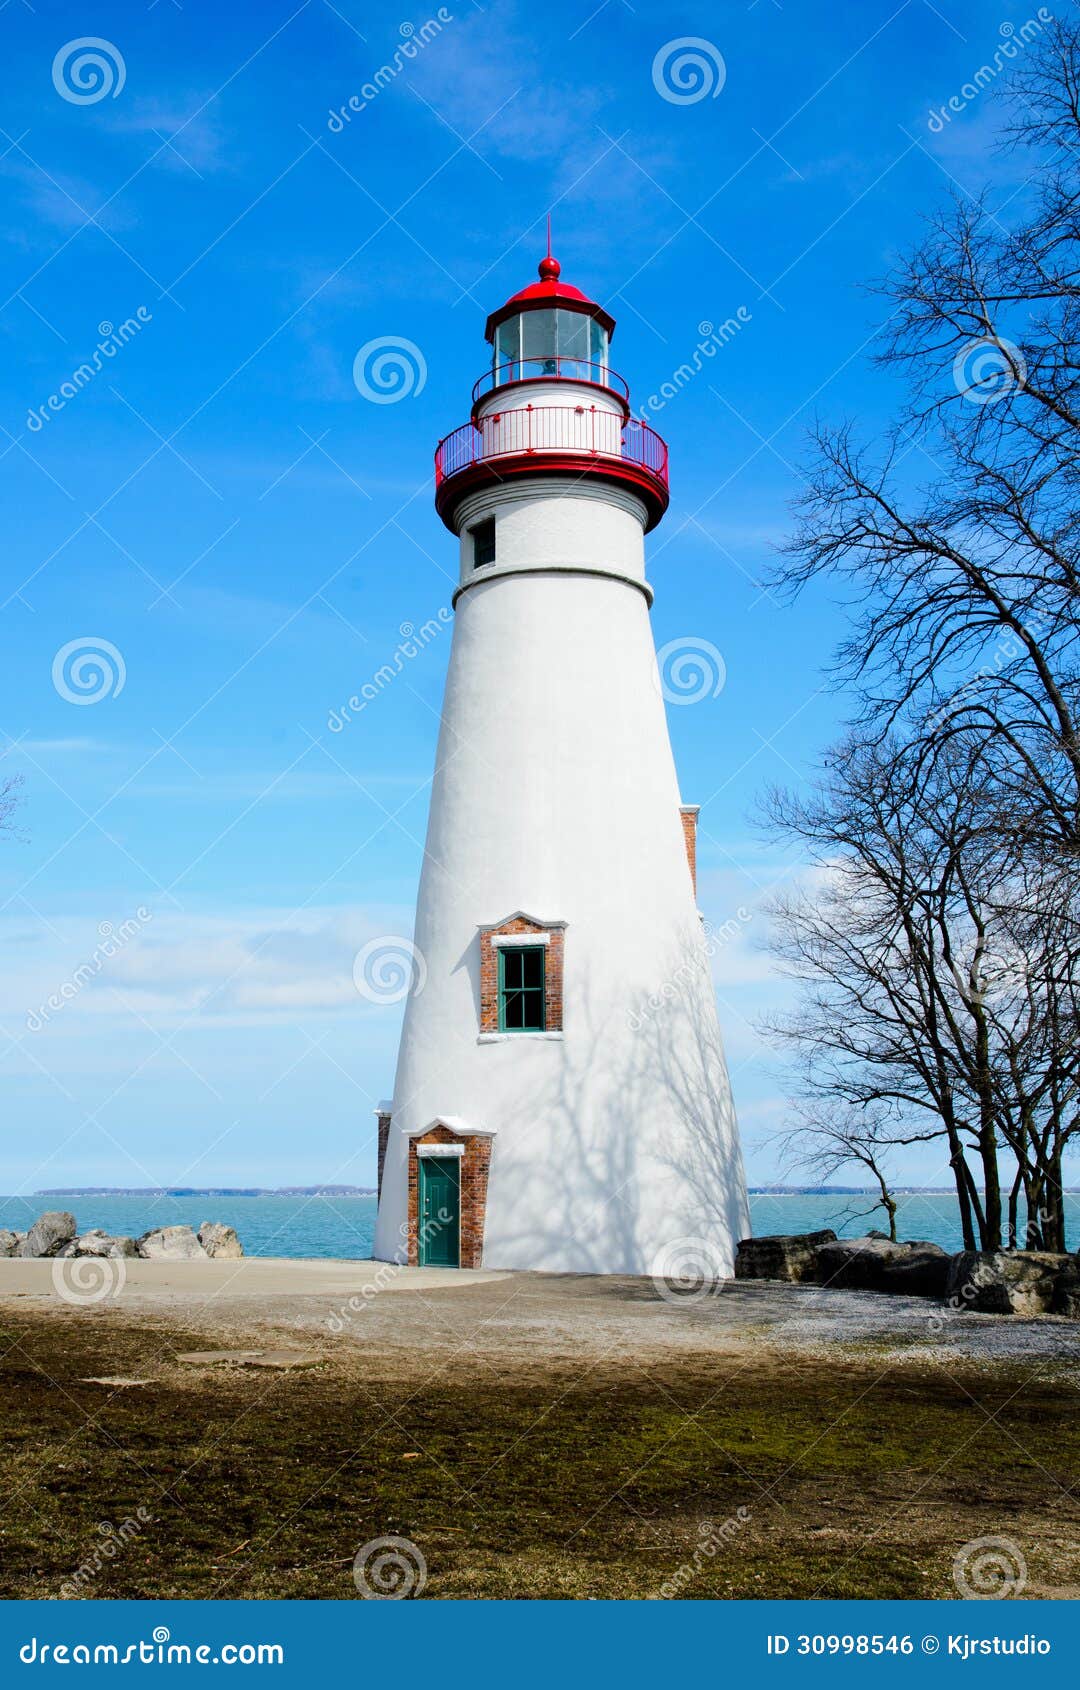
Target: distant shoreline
{"type": "Point", "coordinates": [369, 1191]}
{"type": "Point", "coordinates": [205, 1191]}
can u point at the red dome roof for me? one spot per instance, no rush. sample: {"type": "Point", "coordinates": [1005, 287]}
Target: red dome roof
{"type": "Point", "coordinates": [549, 291]}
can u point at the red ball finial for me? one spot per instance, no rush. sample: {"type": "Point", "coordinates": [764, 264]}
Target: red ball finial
{"type": "Point", "coordinates": [549, 269]}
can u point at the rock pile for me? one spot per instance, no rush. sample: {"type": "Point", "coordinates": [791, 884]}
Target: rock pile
{"type": "Point", "coordinates": [1023, 1282]}
{"type": "Point", "coordinates": [57, 1234]}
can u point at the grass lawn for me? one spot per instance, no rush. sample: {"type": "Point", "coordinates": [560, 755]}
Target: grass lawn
{"type": "Point", "coordinates": [704, 1477]}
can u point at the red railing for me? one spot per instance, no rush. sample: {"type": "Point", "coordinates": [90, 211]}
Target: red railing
{"type": "Point", "coordinates": [551, 369]}
{"type": "Point", "coordinates": [577, 430]}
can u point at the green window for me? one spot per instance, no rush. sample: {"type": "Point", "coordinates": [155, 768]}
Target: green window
{"type": "Point", "coordinates": [521, 988]}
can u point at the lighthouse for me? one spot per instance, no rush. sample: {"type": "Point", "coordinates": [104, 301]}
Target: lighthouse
{"type": "Point", "coordinates": [561, 1099]}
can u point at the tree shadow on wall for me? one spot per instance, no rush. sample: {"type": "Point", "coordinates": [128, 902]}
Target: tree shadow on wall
{"type": "Point", "coordinates": [624, 1187]}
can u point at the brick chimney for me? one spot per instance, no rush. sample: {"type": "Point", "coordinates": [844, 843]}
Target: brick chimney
{"type": "Point", "coordinates": [689, 814]}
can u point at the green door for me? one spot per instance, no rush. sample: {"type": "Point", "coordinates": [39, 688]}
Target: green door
{"type": "Point", "coordinates": [440, 1211]}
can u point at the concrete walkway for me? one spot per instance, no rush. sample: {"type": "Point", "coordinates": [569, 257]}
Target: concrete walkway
{"type": "Point", "coordinates": [131, 1280]}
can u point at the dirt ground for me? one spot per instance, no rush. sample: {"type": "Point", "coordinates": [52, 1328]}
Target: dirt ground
{"type": "Point", "coordinates": [530, 1435]}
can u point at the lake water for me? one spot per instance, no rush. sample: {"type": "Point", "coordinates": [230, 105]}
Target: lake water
{"type": "Point", "coordinates": [344, 1226]}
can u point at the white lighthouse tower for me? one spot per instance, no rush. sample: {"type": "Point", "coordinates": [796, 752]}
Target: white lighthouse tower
{"type": "Point", "coordinates": [561, 1099]}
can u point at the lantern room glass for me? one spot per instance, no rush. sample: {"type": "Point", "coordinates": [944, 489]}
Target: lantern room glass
{"type": "Point", "coordinates": [547, 342]}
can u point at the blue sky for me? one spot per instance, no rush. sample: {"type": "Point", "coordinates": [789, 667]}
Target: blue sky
{"type": "Point", "coordinates": [224, 508]}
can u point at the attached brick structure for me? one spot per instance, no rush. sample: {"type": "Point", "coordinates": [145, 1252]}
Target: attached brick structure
{"type": "Point", "coordinates": [689, 814]}
{"type": "Point", "coordinates": [473, 1165]}
{"type": "Point", "coordinates": [526, 926]}
{"type": "Point", "coordinates": [383, 1118]}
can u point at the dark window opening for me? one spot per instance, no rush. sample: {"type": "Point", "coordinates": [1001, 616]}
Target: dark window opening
{"type": "Point", "coordinates": [483, 542]}
{"type": "Point", "coordinates": [521, 989]}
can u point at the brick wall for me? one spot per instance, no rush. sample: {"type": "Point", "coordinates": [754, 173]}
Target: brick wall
{"type": "Point", "coordinates": [689, 814]}
{"type": "Point", "coordinates": [384, 1139]}
{"type": "Point", "coordinates": [473, 1170]}
{"type": "Point", "coordinates": [553, 972]}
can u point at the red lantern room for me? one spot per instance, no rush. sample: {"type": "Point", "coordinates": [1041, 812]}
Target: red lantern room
{"type": "Point", "coordinates": [551, 329]}
{"type": "Point", "coordinates": [551, 404]}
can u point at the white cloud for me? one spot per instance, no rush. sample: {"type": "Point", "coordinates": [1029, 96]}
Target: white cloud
{"type": "Point", "coordinates": [171, 966]}
{"type": "Point", "coordinates": [190, 141]}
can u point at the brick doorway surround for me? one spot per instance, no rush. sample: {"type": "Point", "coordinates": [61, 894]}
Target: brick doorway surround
{"type": "Point", "coordinates": [474, 1162]}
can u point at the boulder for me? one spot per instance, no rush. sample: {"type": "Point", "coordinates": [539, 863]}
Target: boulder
{"type": "Point", "coordinates": [96, 1242]}
{"type": "Point", "coordinates": [1067, 1290]}
{"type": "Point", "coordinates": [922, 1272]}
{"type": "Point", "coordinates": [220, 1240]}
{"type": "Point", "coordinates": [1006, 1281]}
{"type": "Point", "coordinates": [876, 1263]}
{"type": "Point", "coordinates": [49, 1234]}
{"type": "Point", "coordinates": [10, 1241]}
{"type": "Point", "coordinates": [858, 1264]}
{"type": "Point", "coordinates": [790, 1256]}
{"type": "Point", "coordinates": [170, 1244]}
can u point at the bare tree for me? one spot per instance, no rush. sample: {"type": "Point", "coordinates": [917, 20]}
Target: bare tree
{"type": "Point", "coordinates": [971, 585]}
{"type": "Point", "coordinates": [10, 799]}
{"type": "Point", "coordinates": [938, 948]}
{"type": "Point", "coordinates": [939, 997]}
{"type": "Point", "coordinates": [828, 1139]}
